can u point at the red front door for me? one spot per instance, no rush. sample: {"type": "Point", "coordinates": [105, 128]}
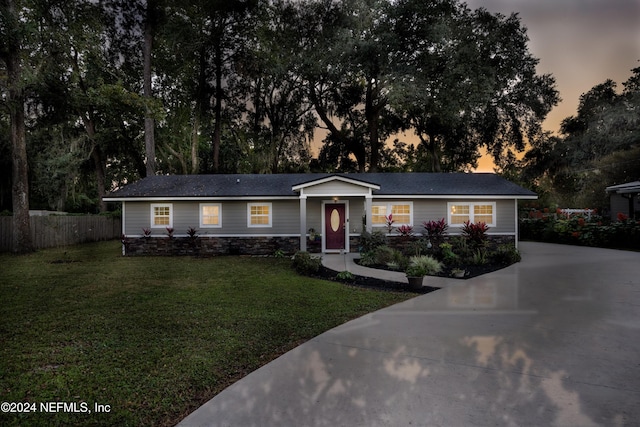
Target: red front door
{"type": "Point", "coordinates": [334, 226]}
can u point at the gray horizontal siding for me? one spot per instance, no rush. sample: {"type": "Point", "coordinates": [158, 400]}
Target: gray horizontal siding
{"type": "Point", "coordinates": [286, 221]}
{"type": "Point", "coordinates": [136, 216]}
{"type": "Point", "coordinates": [430, 210]}
{"type": "Point", "coordinates": [234, 218]}
{"type": "Point", "coordinates": [505, 215]}
{"type": "Point", "coordinates": [506, 219]}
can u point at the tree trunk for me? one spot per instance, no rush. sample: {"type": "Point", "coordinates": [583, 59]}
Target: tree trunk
{"type": "Point", "coordinates": [20, 170]}
{"type": "Point", "coordinates": [435, 158]}
{"type": "Point", "coordinates": [22, 242]}
{"type": "Point", "coordinates": [217, 108]}
{"type": "Point", "coordinates": [195, 140]}
{"type": "Point", "coordinates": [202, 100]}
{"type": "Point", "coordinates": [352, 146]}
{"type": "Point", "coordinates": [90, 128]}
{"type": "Point", "coordinates": [149, 125]}
{"type": "Point", "coordinates": [96, 156]}
{"type": "Point", "coordinates": [372, 113]}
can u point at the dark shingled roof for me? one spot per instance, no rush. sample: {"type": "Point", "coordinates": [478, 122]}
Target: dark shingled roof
{"type": "Point", "coordinates": [278, 185]}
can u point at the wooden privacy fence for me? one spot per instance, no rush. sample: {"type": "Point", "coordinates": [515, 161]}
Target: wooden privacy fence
{"type": "Point", "coordinates": [53, 231]}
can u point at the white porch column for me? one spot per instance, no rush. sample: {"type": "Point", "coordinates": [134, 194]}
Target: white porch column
{"type": "Point", "coordinates": [517, 227]}
{"type": "Point", "coordinates": [303, 222]}
{"type": "Point", "coordinates": [367, 212]}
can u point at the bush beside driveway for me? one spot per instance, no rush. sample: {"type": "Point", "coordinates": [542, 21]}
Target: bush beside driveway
{"type": "Point", "coordinates": [580, 230]}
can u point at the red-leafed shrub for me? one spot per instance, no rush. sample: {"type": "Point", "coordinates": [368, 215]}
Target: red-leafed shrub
{"type": "Point", "coordinates": [405, 230]}
{"type": "Point", "coordinates": [436, 230]}
{"type": "Point", "coordinates": [475, 233]}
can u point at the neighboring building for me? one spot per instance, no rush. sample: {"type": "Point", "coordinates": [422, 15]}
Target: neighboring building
{"type": "Point", "coordinates": [258, 214]}
{"type": "Point", "coordinates": [625, 199]}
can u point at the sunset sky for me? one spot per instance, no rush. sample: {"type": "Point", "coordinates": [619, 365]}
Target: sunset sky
{"type": "Point", "coordinates": [581, 42]}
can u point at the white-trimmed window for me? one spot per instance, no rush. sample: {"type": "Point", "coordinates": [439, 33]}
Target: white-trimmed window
{"type": "Point", "coordinates": [161, 215]}
{"type": "Point", "coordinates": [474, 212]}
{"type": "Point", "coordinates": [259, 215]}
{"type": "Point", "coordinates": [402, 213]}
{"type": "Point", "coordinates": [378, 213]}
{"type": "Point", "coordinates": [210, 215]}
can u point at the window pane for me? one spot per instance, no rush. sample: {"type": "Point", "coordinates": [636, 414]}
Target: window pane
{"type": "Point", "coordinates": [483, 213]}
{"type": "Point", "coordinates": [259, 210]}
{"type": "Point", "coordinates": [459, 219]}
{"type": "Point", "coordinates": [259, 215]}
{"type": "Point", "coordinates": [378, 214]}
{"type": "Point", "coordinates": [401, 214]}
{"type": "Point", "coordinates": [259, 220]}
{"type": "Point", "coordinates": [459, 214]}
{"type": "Point", "coordinates": [483, 209]}
{"type": "Point", "coordinates": [210, 215]}
{"type": "Point", "coordinates": [162, 220]}
{"type": "Point", "coordinates": [210, 210]}
{"type": "Point", "coordinates": [460, 210]}
{"type": "Point", "coordinates": [161, 215]}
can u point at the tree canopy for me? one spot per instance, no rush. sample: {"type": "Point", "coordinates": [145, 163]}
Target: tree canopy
{"type": "Point", "coordinates": [115, 90]}
{"type": "Point", "coordinates": [598, 147]}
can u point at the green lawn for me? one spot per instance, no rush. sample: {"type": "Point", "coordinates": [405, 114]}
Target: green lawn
{"type": "Point", "coordinates": [152, 337]}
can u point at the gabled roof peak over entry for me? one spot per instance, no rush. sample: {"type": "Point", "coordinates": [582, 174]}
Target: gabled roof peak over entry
{"type": "Point", "coordinates": [337, 177]}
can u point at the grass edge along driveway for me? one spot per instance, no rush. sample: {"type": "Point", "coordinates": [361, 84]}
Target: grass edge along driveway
{"type": "Point", "coordinates": [150, 339]}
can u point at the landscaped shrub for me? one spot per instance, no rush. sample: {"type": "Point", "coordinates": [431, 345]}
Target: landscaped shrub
{"type": "Point", "coordinates": [577, 230]}
{"type": "Point", "coordinates": [345, 276]}
{"type": "Point", "coordinates": [460, 246]}
{"type": "Point", "coordinates": [192, 232]}
{"type": "Point", "coordinates": [476, 233]}
{"type": "Point", "coordinates": [367, 259]}
{"type": "Point", "coordinates": [435, 231]}
{"type": "Point", "coordinates": [423, 265]}
{"type": "Point", "coordinates": [384, 255]}
{"type": "Point", "coordinates": [305, 264]}
{"type": "Point", "coordinates": [479, 257]}
{"type": "Point", "coordinates": [405, 230]}
{"type": "Point", "coordinates": [448, 256]}
{"type": "Point", "coordinates": [370, 241]}
{"type": "Point", "coordinates": [419, 247]}
{"type": "Point", "coordinates": [506, 254]}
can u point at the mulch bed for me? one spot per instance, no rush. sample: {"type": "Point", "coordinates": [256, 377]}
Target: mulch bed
{"type": "Point", "coordinates": [386, 285]}
{"type": "Point", "coordinates": [372, 283]}
{"type": "Point", "coordinates": [471, 270]}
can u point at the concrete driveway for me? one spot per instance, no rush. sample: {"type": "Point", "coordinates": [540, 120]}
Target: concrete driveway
{"type": "Point", "coordinates": [553, 340]}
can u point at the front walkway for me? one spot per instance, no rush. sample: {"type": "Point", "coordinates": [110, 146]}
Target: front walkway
{"type": "Point", "coordinates": [552, 340]}
{"type": "Point", "coordinates": [342, 262]}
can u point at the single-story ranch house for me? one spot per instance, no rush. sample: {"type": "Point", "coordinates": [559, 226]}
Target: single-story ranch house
{"type": "Point", "coordinates": [260, 214]}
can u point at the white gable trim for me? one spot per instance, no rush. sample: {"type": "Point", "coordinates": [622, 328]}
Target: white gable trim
{"type": "Point", "coordinates": [301, 187]}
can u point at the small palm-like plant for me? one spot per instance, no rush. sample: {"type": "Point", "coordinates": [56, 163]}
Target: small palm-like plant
{"type": "Point", "coordinates": [192, 232]}
{"type": "Point", "coordinates": [435, 230]}
{"type": "Point", "coordinates": [405, 230]}
{"type": "Point", "coordinates": [389, 223]}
